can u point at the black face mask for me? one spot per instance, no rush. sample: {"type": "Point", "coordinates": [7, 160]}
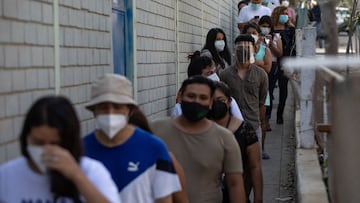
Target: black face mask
{"type": "Point", "coordinates": [218, 110]}
{"type": "Point", "coordinates": [194, 111]}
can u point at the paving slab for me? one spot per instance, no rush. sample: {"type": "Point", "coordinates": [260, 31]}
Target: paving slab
{"type": "Point", "coordinates": [280, 144]}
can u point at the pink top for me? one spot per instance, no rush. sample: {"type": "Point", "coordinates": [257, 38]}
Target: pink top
{"type": "Point", "coordinates": [291, 14]}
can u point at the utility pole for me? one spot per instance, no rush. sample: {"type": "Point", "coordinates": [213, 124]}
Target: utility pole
{"type": "Point", "coordinates": [329, 27]}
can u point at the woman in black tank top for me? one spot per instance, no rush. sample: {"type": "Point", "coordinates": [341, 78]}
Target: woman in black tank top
{"type": "Point", "coordinates": [246, 138]}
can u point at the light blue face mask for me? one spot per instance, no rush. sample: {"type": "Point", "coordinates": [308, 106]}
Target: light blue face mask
{"type": "Point", "coordinates": [255, 6]}
{"type": "Point", "coordinates": [283, 19]}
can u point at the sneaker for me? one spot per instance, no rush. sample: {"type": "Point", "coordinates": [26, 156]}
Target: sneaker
{"type": "Point", "coordinates": [279, 120]}
{"type": "Point", "coordinates": [267, 126]}
{"type": "Point", "coordinates": [265, 156]}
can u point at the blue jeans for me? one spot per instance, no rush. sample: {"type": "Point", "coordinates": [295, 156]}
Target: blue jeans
{"type": "Point", "coordinates": [318, 33]}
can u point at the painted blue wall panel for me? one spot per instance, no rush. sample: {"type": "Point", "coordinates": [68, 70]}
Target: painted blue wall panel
{"type": "Point", "coordinates": [118, 40]}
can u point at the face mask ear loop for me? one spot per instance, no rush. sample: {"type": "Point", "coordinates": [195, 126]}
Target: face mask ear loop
{"type": "Point", "coordinates": [251, 53]}
{"type": "Point", "coordinates": [243, 55]}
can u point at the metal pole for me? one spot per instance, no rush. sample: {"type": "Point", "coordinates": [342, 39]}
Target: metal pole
{"type": "Point", "coordinates": [306, 91]}
{"type": "Point", "coordinates": [57, 75]}
{"type": "Point", "coordinates": [177, 54]}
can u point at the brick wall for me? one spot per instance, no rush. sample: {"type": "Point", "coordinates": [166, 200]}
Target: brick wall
{"type": "Point", "coordinates": [166, 32]}
{"type": "Point", "coordinates": [85, 40]}
{"type": "Point", "coordinates": [27, 58]}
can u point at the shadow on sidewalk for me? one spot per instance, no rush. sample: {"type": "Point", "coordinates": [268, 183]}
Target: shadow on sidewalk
{"type": "Point", "coordinates": [280, 144]}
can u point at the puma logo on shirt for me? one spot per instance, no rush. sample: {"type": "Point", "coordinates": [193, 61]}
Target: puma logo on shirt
{"type": "Point", "coordinates": [133, 166]}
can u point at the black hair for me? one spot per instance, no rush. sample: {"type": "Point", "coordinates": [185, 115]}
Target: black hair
{"type": "Point", "coordinates": [197, 65]}
{"type": "Point", "coordinates": [266, 19]}
{"type": "Point", "coordinates": [242, 2]}
{"type": "Point", "coordinates": [210, 45]}
{"type": "Point", "coordinates": [198, 79]}
{"type": "Point", "coordinates": [194, 55]}
{"type": "Point", "coordinates": [56, 112]}
{"type": "Point", "coordinates": [244, 38]}
{"type": "Point", "coordinates": [224, 88]}
{"type": "Point", "coordinates": [251, 25]}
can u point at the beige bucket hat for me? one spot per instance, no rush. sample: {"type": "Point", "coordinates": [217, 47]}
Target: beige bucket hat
{"type": "Point", "coordinates": [111, 88]}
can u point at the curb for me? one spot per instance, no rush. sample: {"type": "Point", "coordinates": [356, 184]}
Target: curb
{"type": "Point", "coordinates": [310, 185]}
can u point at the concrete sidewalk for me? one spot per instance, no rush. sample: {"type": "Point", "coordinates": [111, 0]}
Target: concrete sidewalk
{"type": "Point", "coordinates": [280, 144]}
{"type": "Point", "coordinates": [292, 174]}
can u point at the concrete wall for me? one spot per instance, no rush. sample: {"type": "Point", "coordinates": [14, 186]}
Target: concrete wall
{"type": "Point", "coordinates": [166, 32]}
{"type": "Point", "coordinates": [27, 58]}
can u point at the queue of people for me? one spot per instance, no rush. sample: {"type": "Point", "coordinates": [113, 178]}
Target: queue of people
{"type": "Point", "coordinates": [210, 150]}
{"type": "Point", "coordinates": [274, 34]}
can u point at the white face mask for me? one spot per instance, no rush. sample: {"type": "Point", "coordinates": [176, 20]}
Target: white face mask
{"type": "Point", "coordinates": [256, 38]}
{"type": "Point", "coordinates": [285, 3]}
{"type": "Point", "coordinates": [111, 124]}
{"type": "Point", "coordinates": [35, 152]}
{"type": "Point", "coordinates": [214, 77]}
{"type": "Point", "coordinates": [219, 45]}
{"type": "Point", "coordinates": [265, 30]}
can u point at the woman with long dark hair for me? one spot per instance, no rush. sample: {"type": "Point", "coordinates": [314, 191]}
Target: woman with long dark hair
{"type": "Point", "coordinates": [246, 137]}
{"type": "Point", "coordinates": [52, 168]}
{"type": "Point", "coordinates": [274, 42]}
{"type": "Point", "coordinates": [217, 49]}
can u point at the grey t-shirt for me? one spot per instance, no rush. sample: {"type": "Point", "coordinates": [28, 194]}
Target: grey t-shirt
{"type": "Point", "coordinates": [204, 157]}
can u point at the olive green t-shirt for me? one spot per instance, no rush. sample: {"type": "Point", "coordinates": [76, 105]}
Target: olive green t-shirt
{"type": "Point", "coordinates": [249, 93]}
{"type": "Point", "coordinates": [204, 157]}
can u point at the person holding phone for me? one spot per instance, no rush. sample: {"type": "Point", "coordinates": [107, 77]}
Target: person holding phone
{"type": "Point", "coordinates": [286, 30]}
{"type": "Point", "coordinates": [274, 42]}
{"type": "Point", "coordinates": [252, 13]}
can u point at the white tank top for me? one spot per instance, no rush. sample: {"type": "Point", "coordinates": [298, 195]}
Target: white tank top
{"type": "Point", "coordinates": [275, 39]}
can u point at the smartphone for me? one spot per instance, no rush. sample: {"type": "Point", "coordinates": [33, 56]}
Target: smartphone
{"type": "Point", "coordinates": [267, 39]}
